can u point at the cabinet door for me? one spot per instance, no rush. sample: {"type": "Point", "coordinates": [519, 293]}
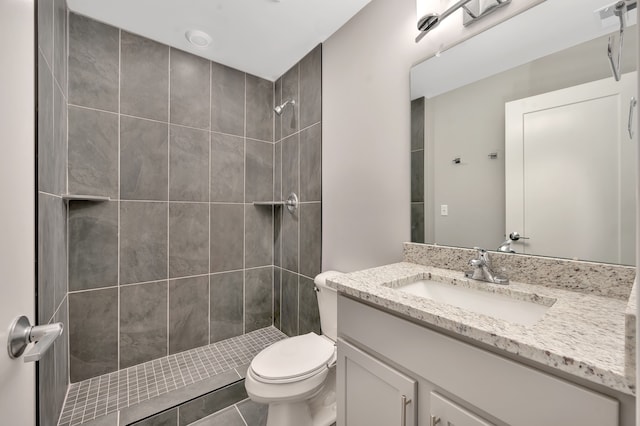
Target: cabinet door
{"type": "Point", "coordinates": [370, 393]}
{"type": "Point", "coordinates": [447, 413]}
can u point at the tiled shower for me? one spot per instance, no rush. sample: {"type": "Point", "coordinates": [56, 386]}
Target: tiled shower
{"type": "Point", "coordinates": [179, 257]}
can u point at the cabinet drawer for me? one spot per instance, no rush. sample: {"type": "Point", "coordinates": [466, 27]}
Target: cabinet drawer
{"type": "Point", "coordinates": [447, 413]}
{"type": "Point", "coordinates": [512, 392]}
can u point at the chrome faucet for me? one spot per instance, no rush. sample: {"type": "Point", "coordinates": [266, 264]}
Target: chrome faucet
{"type": "Point", "coordinates": [482, 269]}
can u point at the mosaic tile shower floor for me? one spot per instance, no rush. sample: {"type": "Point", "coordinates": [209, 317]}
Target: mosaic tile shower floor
{"type": "Point", "coordinates": [111, 392]}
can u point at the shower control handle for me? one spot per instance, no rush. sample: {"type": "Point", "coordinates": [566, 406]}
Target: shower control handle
{"type": "Point", "coordinates": [22, 333]}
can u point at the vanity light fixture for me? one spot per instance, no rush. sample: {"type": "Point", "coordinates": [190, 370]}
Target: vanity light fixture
{"type": "Point", "coordinates": [198, 38]}
{"type": "Point", "coordinates": [473, 10]}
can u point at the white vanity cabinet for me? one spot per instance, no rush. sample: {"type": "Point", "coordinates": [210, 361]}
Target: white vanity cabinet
{"type": "Point", "coordinates": [381, 357]}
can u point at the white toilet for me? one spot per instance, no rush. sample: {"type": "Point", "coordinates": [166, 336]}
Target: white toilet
{"type": "Point", "coordinates": [297, 376]}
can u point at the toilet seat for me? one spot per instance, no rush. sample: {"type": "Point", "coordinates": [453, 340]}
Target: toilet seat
{"type": "Point", "coordinates": [293, 359]}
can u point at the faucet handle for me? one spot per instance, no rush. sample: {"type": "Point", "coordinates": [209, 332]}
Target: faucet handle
{"type": "Point", "coordinates": [480, 251]}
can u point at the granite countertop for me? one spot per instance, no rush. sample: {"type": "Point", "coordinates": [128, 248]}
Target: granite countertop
{"type": "Point", "coordinates": [580, 334]}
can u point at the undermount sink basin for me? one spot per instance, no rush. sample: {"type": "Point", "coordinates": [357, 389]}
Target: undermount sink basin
{"type": "Point", "coordinates": [482, 302]}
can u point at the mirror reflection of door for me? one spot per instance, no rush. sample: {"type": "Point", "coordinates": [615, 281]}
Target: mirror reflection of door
{"type": "Point", "coordinates": [569, 154]}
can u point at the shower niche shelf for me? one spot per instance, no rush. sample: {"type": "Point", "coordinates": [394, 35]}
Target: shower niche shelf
{"type": "Point", "coordinates": [291, 202]}
{"type": "Point", "coordinates": [93, 198]}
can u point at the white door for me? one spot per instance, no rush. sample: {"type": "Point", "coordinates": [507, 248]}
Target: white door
{"type": "Point", "coordinates": [570, 172]}
{"type": "Point", "coordinates": [17, 205]}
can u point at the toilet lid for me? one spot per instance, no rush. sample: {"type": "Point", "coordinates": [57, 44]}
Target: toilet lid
{"type": "Point", "coordinates": [293, 357]}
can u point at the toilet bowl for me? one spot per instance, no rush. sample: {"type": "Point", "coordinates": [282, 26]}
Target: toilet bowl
{"type": "Point", "coordinates": [296, 376]}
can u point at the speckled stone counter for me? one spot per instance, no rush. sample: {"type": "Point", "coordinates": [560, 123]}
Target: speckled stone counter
{"type": "Point", "coordinates": [580, 334]}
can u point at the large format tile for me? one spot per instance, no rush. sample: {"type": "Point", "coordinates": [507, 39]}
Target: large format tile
{"type": "Point", "coordinates": [227, 168]}
{"type": "Point", "coordinates": [311, 164]}
{"type": "Point", "coordinates": [417, 124]}
{"type": "Point", "coordinates": [277, 236]}
{"type": "Point", "coordinates": [188, 239]}
{"type": "Point", "coordinates": [143, 323]}
{"type": "Point", "coordinates": [93, 333]}
{"type": "Point", "coordinates": [93, 63]}
{"type": "Point", "coordinates": [45, 29]}
{"type": "Point", "coordinates": [309, 314]}
{"type": "Point", "coordinates": [311, 88]}
{"type": "Point", "coordinates": [60, 149]}
{"type": "Point", "coordinates": [277, 296]}
{"type": "Point", "coordinates": [417, 223]}
{"type": "Point", "coordinates": [291, 165]}
{"type": "Point", "coordinates": [93, 245]}
{"type": "Point", "coordinates": [277, 171]}
{"type": "Point", "coordinates": [258, 243]}
{"type": "Point", "coordinates": [277, 133]}
{"type": "Point", "coordinates": [289, 239]}
{"type": "Point", "coordinates": [258, 286]}
{"type": "Point", "coordinates": [46, 261]}
{"type": "Point", "coordinates": [289, 303]}
{"type": "Point", "coordinates": [227, 100]}
{"type": "Point", "coordinates": [189, 90]}
{"type": "Point", "coordinates": [254, 413]}
{"type": "Point", "coordinates": [188, 313]}
{"type": "Point", "coordinates": [259, 171]}
{"type": "Point", "coordinates": [46, 385]}
{"type": "Point", "coordinates": [144, 77]}
{"type": "Point", "coordinates": [227, 417]}
{"type": "Point", "coordinates": [310, 239]}
{"type": "Point", "coordinates": [61, 350]}
{"type": "Point", "coordinates": [290, 118]}
{"type": "Point", "coordinates": [93, 152]}
{"type": "Point", "coordinates": [46, 166]}
{"type": "Point", "coordinates": [227, 237]}
{"type": "Point", "coordinates": [417, 176]}
{"type": "Point", "coordinates": [210, 403]}
{"type": "Point", "coordinates": [144, 152]}
{"type": "Point", "coordinates": [188, 164]}
{"type": "Point", "coordinates": [226, 294]}
{"type": "Point", "coordinates": [166, 418]}
{"type": "Point", "coordinates": [259, 108]}
{"type": "Point", "coordinates": [143, 241]}
{"type": "Point", "coordinates": [60, 39]}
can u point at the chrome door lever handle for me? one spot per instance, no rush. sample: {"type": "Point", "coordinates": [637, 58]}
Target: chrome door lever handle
{"type": "Point", "coordinates": [632, 105]}
{"type": "Point", "coordinates": [22, 333]}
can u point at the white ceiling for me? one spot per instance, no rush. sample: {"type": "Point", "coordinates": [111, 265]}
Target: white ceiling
{"type": "Point", "coordinates": [551, 26]}
{"type": "Point", "coordinates": [261, 37]}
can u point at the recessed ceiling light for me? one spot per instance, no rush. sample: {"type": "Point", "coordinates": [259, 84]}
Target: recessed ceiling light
{"type": "Point", "coordinates": [198, 38]}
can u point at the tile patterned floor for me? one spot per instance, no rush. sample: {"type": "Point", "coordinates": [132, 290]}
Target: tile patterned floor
{"type": "Point", "coordinates": [108, 393]}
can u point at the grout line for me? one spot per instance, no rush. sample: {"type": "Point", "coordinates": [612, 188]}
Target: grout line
{"type": "Point", "coordinates": [240, 414]}
{"type": "Point", "coordinates": [244, 216]}
{"type": "Point", "coordinates": [119, 182]}
{"type": "Point", "coordinates": [168, 195]}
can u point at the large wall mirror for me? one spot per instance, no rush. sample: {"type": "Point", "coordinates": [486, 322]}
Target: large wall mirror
{"type": "Point", "coordinates": [523, 128]}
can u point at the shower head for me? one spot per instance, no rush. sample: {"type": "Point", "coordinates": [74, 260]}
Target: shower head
{"type": "Point", "coordinates": [428, 22]}
{"type": "Point", "coordinates": [279, 108]}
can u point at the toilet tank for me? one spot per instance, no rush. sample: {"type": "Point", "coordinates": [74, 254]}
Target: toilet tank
{"type": "Point", "coordinates": [327, 304]}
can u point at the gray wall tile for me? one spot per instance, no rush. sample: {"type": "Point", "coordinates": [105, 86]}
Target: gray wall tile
{"type": "Point", "coordinates": [226, 299]}
{"type": "Point", "coordinates": [259, 171]}
{"type": "Point", "coordinates": [417, 222]}
{"type": "Point", "coordinates": [311, 88]}
{"type": "Point", "coordinates": [190, 82]}
{"type": "Point", "coordinates": [258, 286]}
{"type": "Point", "coordinates": [227, 100]}
{"type": "Point", "coordinates": [93, 63]}
{"type": "Point", "coordinates": [309, 313]}
{"type": "Point", "coordinates": [258, 243]}
{"type": "Point", "coordinates": [417, 176]}
{"type": "Point", "coordinates": [289, 318]}
{"type": "Point", "coordinates": [144, 77]}
{"type": "Point", "coordinates": [93, 152]}
{"type": "Point", "coordinates": [277, 134]}
{"type": "Point", "coordinates": [227, 237]}
{"type": "Point", "coordinates": [143, 241]}
{"type": "Point", "coordinates": [277, 296]}
{"type": "Point", "coordinates": [60, 43]}
{"type": "Point", "coordinates": [52, 255]}
{"type": "Point", "coordinates": [277, 233]}
{"type": "Point", "coordinates": [47, 380]}
{"type": "Point", "coordinates": [93, 245]}
{"type": "Point", "coordinates": [143, 323]}
{"type": "Point", "coordinates": [46, 163]}
{"type": "Point", "coordinates": [45, 29]}
{"type": "Point", "coordinates": [188, 239]}
{"type": "Point", "coordinates": [417, 124]}
{"type": "Point", "coordinates": [189, 164]}
{"type": "Point", "coordinates": [143, 159]}
{"type": "Point", "coordinates": [167, 418]}
{"type": "Point", "coordinates": [259, 112]}
{"type": "Point", "coordinates": [210, 403]}
{"type": "Point", "coordinates": [310, 239]}
{"type": "Point", "coordinates": [277, 171]}
{"type": "Point", "coordinates": [254, 413]}
{"type": "Point", "coordinates": [291, 165]}
{"type": "Point", "coordinates": [93, 333]}
{"type": "Point", "coordinates": [289, 239]}
{"type": "Point", "coordinates": [290, 117]}
{"type": "Point", "coordinates": [311, 164]}
{"type": "Point", "coordinates": [61, 354]}
{"type": "Point", "coordinates": [227, 168]}
{"type": "Point", "coordinates": [60, 140]}
{"type": "Point", "coordinates": [188, 313]}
